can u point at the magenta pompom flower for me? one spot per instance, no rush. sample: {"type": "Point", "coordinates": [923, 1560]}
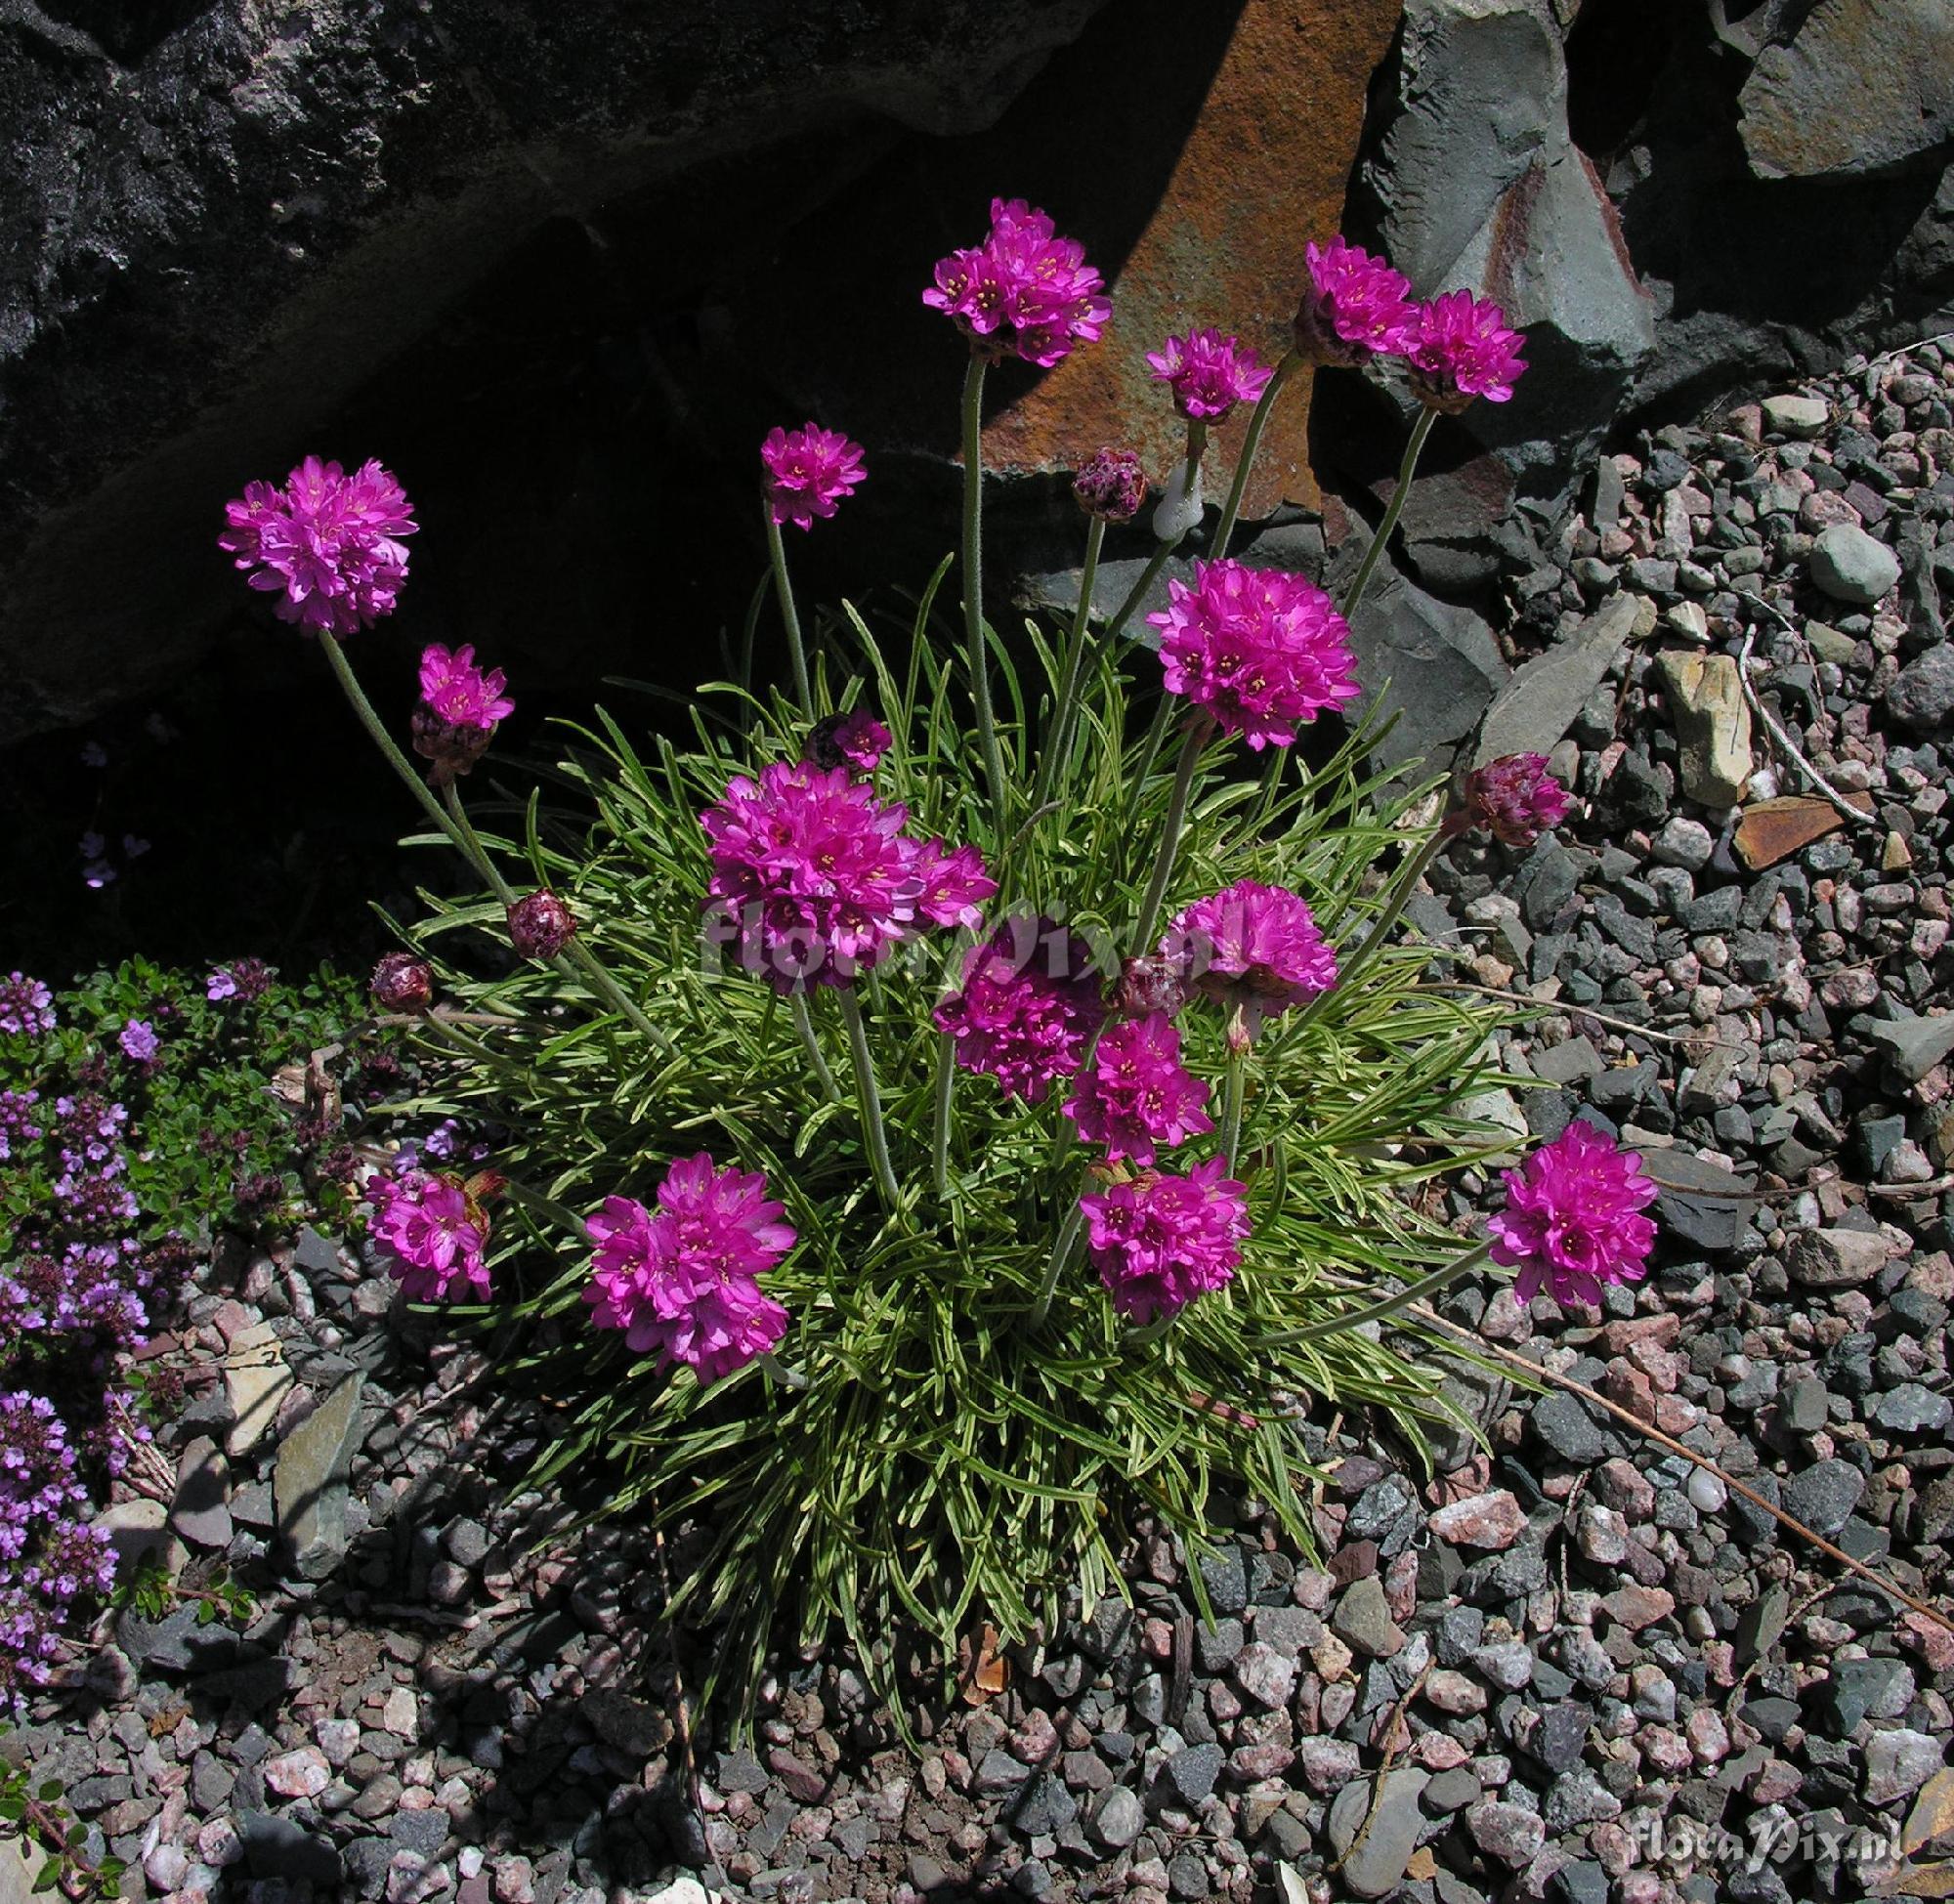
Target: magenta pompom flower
{"type": "Point", "coordinates": [1028, 1006]}
{"type": "Point", "coordinates": [856, 740]}
{"type": "Point", "coordinates": [1253, 948]}
{"type": "Point", "coordinates": [1136, 1095]}
{"type": "Point", "coordinates": [1160, 1241]}
{"type": "Point", "coordinates": [461, 706]}
{"type": "Point", "coordinates": [1024, 291]}
{"type": "Point", "coordinates": [682, 1280]}
{"type": "Point", "coordinates": [1111, 484]}
{"type": "Point", "coordinates": [1260, 648]}
{"type": "Point", "coordinates": [1209, 374]}
{"type": "Point", "coordinates": [1572, 1221]}
{"type": "Point", "coordinates": [815, 878]}
{"type": "Point", "coordinates": [1462, 349]}
{"type": "Point", "coordinates": [1355, 306]}
{"type": "Point", "coordinates": [327, 544]}
{"type": "Point", "coordinates": [27, 1007]}
{"type": "Point", "coordinates": [809, 471]}
{"type": "Point", "coordinates": [433, 1229]}
{"type": "Point", "coordinates": [1514, 798]}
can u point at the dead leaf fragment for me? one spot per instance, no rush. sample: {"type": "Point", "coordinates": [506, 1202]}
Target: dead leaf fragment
{"type": "Point", "coordinates": [1774, 829]}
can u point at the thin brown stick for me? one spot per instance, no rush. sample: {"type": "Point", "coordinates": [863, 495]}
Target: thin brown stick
{"type": "Point", "coordinates": [1868, 1574]}
{"type": "Point", "coordinates": [1398, 1712]}
{"type": "Point", "coordinates": [1561, 1007]}
{"type": "Point", "coordinates": [688, 1763]}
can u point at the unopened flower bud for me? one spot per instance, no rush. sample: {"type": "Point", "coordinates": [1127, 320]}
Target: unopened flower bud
{"type": "Point", "coordinates": [402, 983]}
{"type": "Point", "coordinates": [541, 925]}
{"type": "Point", "coordinates": [1150, 985]}
{"type": "Point", "coordinates": [1110, 486]}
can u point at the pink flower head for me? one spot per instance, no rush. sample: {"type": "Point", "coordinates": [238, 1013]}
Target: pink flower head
{"type": "Point", "coordinates": [1355, 306]}
{"type": "Point", "coordinates": [1572, 1220]}
{"type": "Point", "coordinates": [1028, 1006]}
{"type": "Point", "coordinates": [1136, 1093]}
{"type": "Point", "coordinates": [1252, 948]}
{"type": "Point", "coordinates": [1024, 291]}
{"type": "Point", "coordinates": [809, 471]}
{"type": "Point", "coordinates": [541, 924]}
{"type": "Point", "coordinates": [327, 544]}
{"type": "Point", "coordinates": [683, 1280]}
{"type": "Point", "coordinates": [815, 878]}
{"type": "Point", "coordinates": [1209, 373]}
{"type": "Point", "coordinates": [1514, 798]}
{"type": "Point", "coordinates": [1462, 349]}
{"type": "Point", "coordinates": [1260, 648]}
{"type": "Point", "coordinates": [460, 709]}
{"type": "Point", "coordinates": [435, 1230]}
{"type": "Point", "coordinates": [1160, 1241]}
{"type": "Point", "coordinates": [138, 1040]}
{"type": "Point", "coordinates": [856, 740]}
{"type": "Point", "coordinates": [1111, 484]}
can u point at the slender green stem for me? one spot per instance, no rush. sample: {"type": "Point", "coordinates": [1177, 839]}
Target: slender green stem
{"type": "Point", "coordinates": [1234, 1091]}
{"type": "Point", "coordinates": [615, 994]}
{"type": "Point", "coordinates": [1061, 1254]}
{"type": "Point", "coordinates": [804, 1025]}
{"type": "Point", "coordinates": [873, 1128]}
{"type": "Point", "coordinates": [946, 1095]}
{"type": "Point", "coordinates": [1400, 496]}
{"type": "Point", "coordinates": [1170, 846]}
{"type": "Point", "coordinates": [973, 582]}
{"type": "Point", "coordinates": [1381, 1311]}
{"type": "Point", "coordinates": [1052, 768]}
{"type": "Point", "coordinates": [451, 797]}
{"type": "Point", "coordinates": [796, 650]}
{"type": "Point", "coordinates": [1250, 443]}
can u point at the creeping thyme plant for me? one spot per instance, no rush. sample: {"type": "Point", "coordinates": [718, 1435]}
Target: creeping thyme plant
{"type": "Point", "coordinates": [973, 1095]}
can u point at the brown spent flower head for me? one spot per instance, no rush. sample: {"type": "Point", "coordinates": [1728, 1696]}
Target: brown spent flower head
{"type": "Point", "coordinates": [402, 983]}
{"type": "Point", "coordinates": [541, 925]}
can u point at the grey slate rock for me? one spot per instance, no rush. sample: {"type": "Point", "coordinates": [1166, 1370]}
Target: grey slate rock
{"type": "Point", "coordinates": [1396, 1822]}
{"type": "Point", "coordinates": [1851, 566]}
{"type": "Point", "coordinates": [1824, 1495]}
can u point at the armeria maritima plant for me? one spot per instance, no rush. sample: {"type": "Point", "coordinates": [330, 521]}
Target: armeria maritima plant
{"type": "Point", "coordinates": [967, 1100]}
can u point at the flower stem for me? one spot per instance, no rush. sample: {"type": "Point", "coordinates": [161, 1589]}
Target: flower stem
{"type": "Point", "coordinates": [872, 1127]}
{"type": "Point", "coordinates": [1051, 768]}
{"type": "Point", "coordinates": [804, 1025]}
{"type": "Point", "coordinates": [1382, 1311]}
{"type": "Point", "coordinates": [796, 650]}
{"type": "Point", "coordinates": [1250, 443]}
{"type": "Point", "coordinates": [451, 796]}
{"type": "Point", "coordinates": [946, 1093]}
{"type": "Point", "coordinates": [1419, 432]}
{"type": "Point", "coordinates": [1170, 846]}
{"type": "Point", "coordinates": [973, 581]}
{"type": "Point", "coordinates": [1387, 921]}
{"type": "Point", "coordinates": [1235, 1089]}
{"type": "Point", "coordinates": [613, 993]}
{"type": "Point", "coordinates": [1061, 1254]}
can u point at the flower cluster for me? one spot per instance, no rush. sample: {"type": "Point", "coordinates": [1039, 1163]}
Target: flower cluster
{"type": "Point", "coordinates": [1024, 291]}
{"type": "Point", "coordinates": [1573, 1218]}
{"type": "Point", "coordinates": [1356, 306]}
{"type": "Point", "coordinates": [1514, 798]}
{"type": "Point", "coordinates": [327, 544]}
{"type": "Point", "coordinates": [683, 1281]}
{"type": "Point", "coordinates": [809, 471]}
{"type": "Point", "coordinates": [434, 1231]}
{"type": "Point", "coordinates": [402, 982]}
{"type": "Point", "coordinates": [139, 1041]}
{"type": "Point", "coordinates": [247, 980]}
{"type": "Point", "coordinates": [1209, 374]}
{"type": "Point", "coordinates": [856, 740]}
{"type": "Point", "coordinates": [460, 709]}
{"type": "Point", "coordinates": [27, 1007]}
{"type": "Point", "coordinates": [1159, 1241]}
{"type": "Point", "coordinates": [1260, 648]}
{"type": "Point", "coordinates": [1028, 1006]}
{"type": "Point", "coordinates": [816, 880]}
{"type": "Point", "coordinates": [541, 924]}
{"type": "Point", "coordinates": [17, 1126]}
{"type": "Point", "coordinates": [1462, 349]}
{"type": "Point", "coordinates": [1256, 950]}
{"type": "Point", "coordinates": [1136, 1095]}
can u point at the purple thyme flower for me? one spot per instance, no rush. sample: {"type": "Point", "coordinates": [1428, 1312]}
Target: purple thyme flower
{"type": "Point", "coordinates": [138, 1040]}
{"type": "Point", "coordinates": [27, 1007]}
{"type": "Point", "coordinates": [221, 985]}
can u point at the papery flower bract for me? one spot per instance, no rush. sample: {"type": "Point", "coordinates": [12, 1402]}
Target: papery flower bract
{"type": "Point", "coordinates": [1572, 1221]}
{"type": "Point", "coordinates": [27, 1007]}
{"type": "Point", "coordinates": [1253, 948]}
{"type": "Point", "coordinates": [1024, 291]}
{"type": "Point", "coordinates": [1160, 1241]}
{"type": "Point", "coordinates": [809, 471]}
{"type": "Point", "coordinates": [435, 1233]}
{"type": "Point", "coordinates": [326, 543]}
{"type": "Point", "coordinates": [856, 740]}
{"type": "Point", "coordinates": [541, 924]}
{"type": "Point", "coordinates": [682, 1280]}
{"type": "Point", "coordinates": [1111, 484]}
{"type": "Point", "coordinates": [402, 982]}
{"type": "Point", "coordinates": [1136, 1095]}
{"type": "Point", "coordinates": [1209, 373]}
{"type": "Point", "coordinates": [1514, 798]}
{"type": "Point", "coordinates": [815, 878]}
{"type": "Point", "coordinates": [1462, 349]}
{"type": "Point", "coordinates": [1028, 1006]}
{"type": "Point", "coordinates": [138, 1040]}
{"type": "Point", "coordinates": [1355, 306]}
{"type": "Point", "coordinates": [1260, 648]}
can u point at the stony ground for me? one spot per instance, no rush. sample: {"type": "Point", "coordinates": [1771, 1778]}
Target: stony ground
{"type": "Point", "coordinates": [1577, 1667]}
